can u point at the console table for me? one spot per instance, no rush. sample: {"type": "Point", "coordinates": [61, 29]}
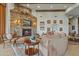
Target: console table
{"type": "Point", "coordinates": [74, 38]}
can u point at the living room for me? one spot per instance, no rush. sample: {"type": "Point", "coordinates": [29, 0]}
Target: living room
{"type": "Point", "coordinates": [39, 29]}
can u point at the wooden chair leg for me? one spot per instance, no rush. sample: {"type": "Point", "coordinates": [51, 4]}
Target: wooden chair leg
{"type": "Point", "coordinates": [10, 42]}
{"type": "Point", "coordinates": [0, 38]}
{"type": "Point", "coordinates": [14, 43]}
{"type": "Point", "coordinates": [3, 44]}
{"type": "Point", "coordinates": [2, 41]}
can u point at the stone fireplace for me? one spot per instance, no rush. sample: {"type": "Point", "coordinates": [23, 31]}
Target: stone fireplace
{"type": "Point", "coordinates": [26, 32]}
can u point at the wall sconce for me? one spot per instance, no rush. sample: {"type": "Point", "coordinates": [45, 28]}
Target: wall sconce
{"type": "Point", "coordinates": [18, 21]}
{"type": "Point", "coordinates": [34, 24]}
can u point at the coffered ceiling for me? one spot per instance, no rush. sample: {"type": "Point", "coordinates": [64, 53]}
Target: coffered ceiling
{"type": "Point", "coordinates": [48, 6]}
{"type": "Point", "coordinates": [74, 11]}
{"type": "Point", "coordinates": [72, 7]}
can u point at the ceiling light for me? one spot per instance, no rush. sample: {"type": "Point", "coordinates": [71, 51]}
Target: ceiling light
{"type": "Point", "coordinates": [28, 5]}
{"type": "Point", "coordinates": [38, 6]}
{"type": "Point", "coordinates": [65, 6]}
{"type": "Point", "coordinates": [51, 6]}
{"type": "Point", "coordinates": [70, 16]}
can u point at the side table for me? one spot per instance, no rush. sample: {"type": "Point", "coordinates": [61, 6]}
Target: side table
{"type": "Point", "coordinates": [31, 48]}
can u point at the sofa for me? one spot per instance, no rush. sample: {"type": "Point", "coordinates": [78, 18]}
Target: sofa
{"type": "Point", "coordinates": [53, 44]}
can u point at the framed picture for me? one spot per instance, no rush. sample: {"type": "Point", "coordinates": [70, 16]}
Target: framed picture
{"type": "Point", "coordinates": [73, 27]}
{"type": "Point", "coordinates": [26, 22]}
{"type": "Point", "coordinates": [48, 21]}
{"type": "Point", "coordinates": [42, 28]}
{"type": "Point", "coordinates": [61, 29]}
{"type": "Point", "coordinates": [42, 23]}
{"type": "Point", "coordinates": [48, 29]}
{"type": "Point", "coordinates": [61, 21]}
{"type": "Point", "coordinates": [54, 21]}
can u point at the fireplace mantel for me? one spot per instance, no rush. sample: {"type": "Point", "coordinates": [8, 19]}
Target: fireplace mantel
{"type": "Point", "coordinates": [22, 18]}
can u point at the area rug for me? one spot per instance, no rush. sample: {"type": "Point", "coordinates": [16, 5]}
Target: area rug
{"type": "Point", "coordinates": [20, 50]}
{"type": "Point", "coordinates": [6, 51]}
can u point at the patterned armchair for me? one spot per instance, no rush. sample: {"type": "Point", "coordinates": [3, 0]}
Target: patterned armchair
{"type": "Point", "coordinates": [7, 38]}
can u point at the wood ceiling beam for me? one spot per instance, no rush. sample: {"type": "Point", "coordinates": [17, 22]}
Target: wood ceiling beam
{"type": "Point", "coordinates": [55, 10]}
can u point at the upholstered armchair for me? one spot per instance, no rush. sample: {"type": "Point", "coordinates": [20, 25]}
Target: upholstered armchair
{"type": "Point", "coordinates": [7, 38]}
{"type": "Point", "coordinates": [59, 44]}
{"type": "Point", "coordinates": [54, 45]}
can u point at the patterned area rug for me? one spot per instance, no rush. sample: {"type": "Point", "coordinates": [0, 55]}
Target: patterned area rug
{"type": "Point", "coordinates": [20, 50]}
{"type": "Point", "coordinates": [6, 51]}
{"type": "Point", "coordinates": [10, 50]}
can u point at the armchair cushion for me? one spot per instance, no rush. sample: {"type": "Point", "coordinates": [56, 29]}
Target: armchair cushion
{"type": "Point", "coordinates": [9, 36]}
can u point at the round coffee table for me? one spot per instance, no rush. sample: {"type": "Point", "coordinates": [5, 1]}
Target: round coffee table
{"type": "Point", "coordinates": [31, 48]}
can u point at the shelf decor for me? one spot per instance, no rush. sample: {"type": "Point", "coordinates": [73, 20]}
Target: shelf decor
{"type": "Point", "coordinates": [48, 21]}
{"type": "Point", "coordinates": [42, 28]}
{"type": "Point", "coordinates": [54, 21]}
{"type": "Point", "coordinates": [61, 21]}
{"type": "Point", "coordinates": [48, 29]}
{"type": "Point", "coordinates": [61, 29]}
{"type": "Point", "coordinates": [42, 25]}
{"type": "Point", "coordinates": [73, 27]}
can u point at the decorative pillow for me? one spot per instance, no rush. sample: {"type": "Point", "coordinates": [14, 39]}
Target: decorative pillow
{"type": "Point", "coordinates": [32, 37]}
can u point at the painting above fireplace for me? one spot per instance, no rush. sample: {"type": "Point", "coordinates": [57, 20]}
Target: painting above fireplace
{"type": "Point", "coordinates": [26, 32]}
{"type": "Point", "coordinates": [26, 23]}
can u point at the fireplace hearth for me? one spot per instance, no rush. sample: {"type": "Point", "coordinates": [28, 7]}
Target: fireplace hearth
{"type": "Point", "coordinates": [26, 32]}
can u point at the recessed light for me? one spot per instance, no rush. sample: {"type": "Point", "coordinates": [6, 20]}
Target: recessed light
{"type": "Point", "coordinates": [65, 6]}
{"type": "Point", "coordinates": [38, 6]}
{"type": "Point", "coordinates": [55, 16]}
{"type": "Point", "coordinates": [70, 16]}
{"type": "Point", "coordinates": [28, 5]}
{"type": "Point", "coordinates": [40, 16]}
{"type": "Point", "coordinates": [51, 6]}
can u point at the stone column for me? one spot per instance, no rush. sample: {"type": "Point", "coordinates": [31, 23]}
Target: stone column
{"type": "Point", "coordinates": [9, 6]}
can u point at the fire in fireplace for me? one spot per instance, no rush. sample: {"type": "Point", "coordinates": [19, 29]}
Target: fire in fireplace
{"type": "Point", "coordinates": [26, 32]}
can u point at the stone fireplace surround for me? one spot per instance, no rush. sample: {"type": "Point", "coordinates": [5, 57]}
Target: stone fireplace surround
{"type": "Point", "coordinates": [22, 31]}
{"type": "Point", "coordinates": [20, 15]}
